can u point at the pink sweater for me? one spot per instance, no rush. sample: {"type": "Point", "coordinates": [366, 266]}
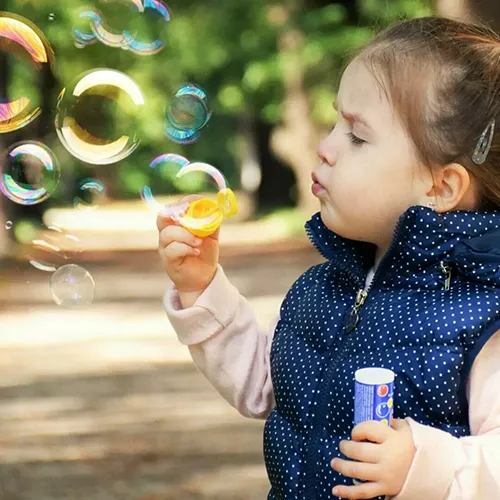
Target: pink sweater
{"type": "Point", "coordinates": [232, 352]}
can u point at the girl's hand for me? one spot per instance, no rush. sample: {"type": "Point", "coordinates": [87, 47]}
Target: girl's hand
{"type": "Point", "coordinates": [384, 462]}
{"type": "Point", "coordinates": [189, 261]}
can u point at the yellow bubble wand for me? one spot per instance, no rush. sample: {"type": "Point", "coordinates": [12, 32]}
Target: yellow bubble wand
{"type": "Point", "coordinates": [204, 216]}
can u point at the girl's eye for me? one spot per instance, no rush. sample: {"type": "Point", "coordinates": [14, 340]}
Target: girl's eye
{"type": "Point", "coordinates": [355, 140]}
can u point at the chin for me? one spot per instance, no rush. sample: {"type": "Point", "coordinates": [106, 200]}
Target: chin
{"type": "Point", "coordinates": [343, 228]}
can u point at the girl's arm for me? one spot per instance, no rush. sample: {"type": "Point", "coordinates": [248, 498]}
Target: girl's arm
{"type": "Point", "coordinates": [448, 468]}
{"type": "Point", "coordinates": [226, 344]}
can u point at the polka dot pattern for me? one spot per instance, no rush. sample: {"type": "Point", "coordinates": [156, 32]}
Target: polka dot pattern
{"type": "Point", "coordinates": [410, 324]}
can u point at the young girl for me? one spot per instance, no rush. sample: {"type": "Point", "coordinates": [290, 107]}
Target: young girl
{"type": "Point", "coordinates": [409, 189]}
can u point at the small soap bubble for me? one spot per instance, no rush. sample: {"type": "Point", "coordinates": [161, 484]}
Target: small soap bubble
{"type": "Point", "coordinates": [28, 53]}
{"type": "Point", "coordinates": [52, 16]}
{"type": "Point", "coordinates": [29, 173]}
{"type": "Point", "coordinates": [155, 17]}
{"type": "Point", "coordinates": [90, 193]}
{"type": "Point", "coordinates": [132, 26]}
{"type": "Point", "coordinates": [97, 117]}
{"type": "Point", "coordinates": [8, 225]}
{"type": "Point", "coordinates": [52, 248]}
{"type": "Point", "coordinates": [72, 287]}
{"type": "Point", "coordinates": [187, 112]}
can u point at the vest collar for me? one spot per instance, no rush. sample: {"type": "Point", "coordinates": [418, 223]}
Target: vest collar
{"type": "Point", "coordinates": [468, 241]}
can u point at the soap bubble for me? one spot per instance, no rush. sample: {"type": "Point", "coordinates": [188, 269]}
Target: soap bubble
{"type": "Point", "coordinates": [29, 53]}
{"type": "Point", "coordinates": [51, 16]}
{"type": "Point", "coordinates": [53, 248]}
{"type": "Point", "coordinates": [90, 191]}
{"type": "Point", "coordinates": [131, 36]}
{"type": "Point", "coordinates": [72, 287]}
{"type": "Point", "coordinates": [164, 168]}
{"type": "Point", "coordinates": [29, 173]}
{"type": "Point", "coordinates": [97, 116]}
{"type": "Point", "coordinates": [99, 30]}
{"type": "Point", "coordinates": [8, 225]}
{"type": "Point", "coordinates": [141, 43]}
{"type": "Point", "coordinates": [187, 112]}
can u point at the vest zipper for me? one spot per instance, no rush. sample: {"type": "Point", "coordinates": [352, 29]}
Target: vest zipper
{"type": "Point", "coordinates": [309, 479]}
{"type": "Point", "coordinates": [446, 270]}
{"type": "Point", "coordinates": [353, 317]}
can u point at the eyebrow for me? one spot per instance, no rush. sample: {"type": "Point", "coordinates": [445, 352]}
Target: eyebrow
{"type": "Point", "coordinates": [353, 117]}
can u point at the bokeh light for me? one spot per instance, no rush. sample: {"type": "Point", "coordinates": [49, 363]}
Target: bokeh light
{"type": "Point", "coordinates": [29, 173]}
{"type": "Point", "coordinates": [97, 116]}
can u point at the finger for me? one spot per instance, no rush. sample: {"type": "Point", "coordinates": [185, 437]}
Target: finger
{"type": "Point", "coordinates": [360, 491]}
{"type": "Point", "coordinates": [173, 233]}
{"type": "Point", "coordinates": [373, 431]}
{"type": "Point", "coordinates": [364, 452]}
{"type": "Point", "coordinates": [176, 251]}
{"type": "Point", "coordinates": [399, 423]}
{"type": "Point", "coordinates": [358, 470]}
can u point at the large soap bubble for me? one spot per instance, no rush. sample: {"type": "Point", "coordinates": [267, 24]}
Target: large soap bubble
{"type": "Point", "coordinates": [29, 173]}
{"type": "Point", "coordinates": [29, 54]}
{"type": "Point", "coordinates": [98, 116]}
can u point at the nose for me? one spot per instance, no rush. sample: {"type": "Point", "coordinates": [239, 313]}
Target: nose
{"type": "Point", "coordinates": [325, 151]}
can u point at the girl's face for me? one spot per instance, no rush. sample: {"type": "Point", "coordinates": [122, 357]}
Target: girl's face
{"type": "Point", "coordinates": [369, 173]}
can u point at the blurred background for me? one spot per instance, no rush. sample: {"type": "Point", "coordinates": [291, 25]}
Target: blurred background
{"type": "Point", "coordinates": [98, 399]}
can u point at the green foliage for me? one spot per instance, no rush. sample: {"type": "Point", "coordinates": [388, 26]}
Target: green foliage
{"type": "Point", "coordinates": [231, 48]}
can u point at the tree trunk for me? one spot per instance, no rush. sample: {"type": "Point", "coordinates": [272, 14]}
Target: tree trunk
{"type": "Point", "coordinates": [294, 141]}
{"type": "Point", "coordinates": [453, 9]}
{"type": "Point", "coordinates": [485, 11]}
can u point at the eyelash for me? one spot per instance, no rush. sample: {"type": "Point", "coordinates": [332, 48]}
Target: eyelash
{"type": "Point", "coordinates": [355, 140]}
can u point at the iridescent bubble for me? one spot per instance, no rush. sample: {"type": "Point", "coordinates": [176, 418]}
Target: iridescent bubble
{"type": "Point", "coordinates": [53, 248]}
{"type": "Point", "coordinates": [90, 192]}
{"type": "Point", "coordinates": [8, 225]}
{"type": "Point", "coordinates": [128, 37]}
{"type": "Point", "coordinates": [72, 287]}
{"type": "Point", "coordinates": [24, 43]}
{"type": "Point", "coordinates": [164, 168]}
{"type": "Point", "coordinates": [141, 44]}
{"type": "Point", "coordinates": [29, 173]}
{"type": "Point", "coordinates": [187, 112]}
{"type": "Point", "coordinates": [52, 16]}
{"type": "Point", "coordinates": [97, 116]}
{"type": "Point", "coordinates": [93, 25]}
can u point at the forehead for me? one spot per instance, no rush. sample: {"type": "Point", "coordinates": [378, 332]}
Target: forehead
{"type": "Point", "coordinates": [359, 92]}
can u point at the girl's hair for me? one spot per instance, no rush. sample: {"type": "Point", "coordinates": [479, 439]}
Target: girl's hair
{"type": "Point", "coordinates": [443, 79]}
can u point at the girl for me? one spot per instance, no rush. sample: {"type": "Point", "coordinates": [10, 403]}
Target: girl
{"type": "Point", "coordinates": [409, 189]}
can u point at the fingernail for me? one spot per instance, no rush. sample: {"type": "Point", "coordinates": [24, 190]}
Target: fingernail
{"type": "Point", "coordinates": [335, 491]}
{"type": "Point", "coordinates": [196, 251]}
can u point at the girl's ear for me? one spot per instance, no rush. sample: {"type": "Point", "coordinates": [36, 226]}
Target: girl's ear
{"type": "Point", "coordinates": [453, 189]}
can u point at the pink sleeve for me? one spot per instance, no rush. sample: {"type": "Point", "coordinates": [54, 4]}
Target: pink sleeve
{"type": "Point", "coordinates": [448, 468]}
{"type": "Point", "coordinates": [226, 345]}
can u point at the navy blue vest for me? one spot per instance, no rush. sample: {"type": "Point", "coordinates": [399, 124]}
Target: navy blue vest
{"type": "Point", "coordinates": [433, 303]}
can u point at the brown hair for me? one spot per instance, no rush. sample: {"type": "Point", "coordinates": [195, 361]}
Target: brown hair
{"type": "Point", "coordinates": [443, 79]}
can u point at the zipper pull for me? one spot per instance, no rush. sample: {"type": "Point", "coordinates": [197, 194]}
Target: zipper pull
{"type": "Point", "coordinates": [446, 270]}
{"type": "Point", "coordinates": [352, 319]}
